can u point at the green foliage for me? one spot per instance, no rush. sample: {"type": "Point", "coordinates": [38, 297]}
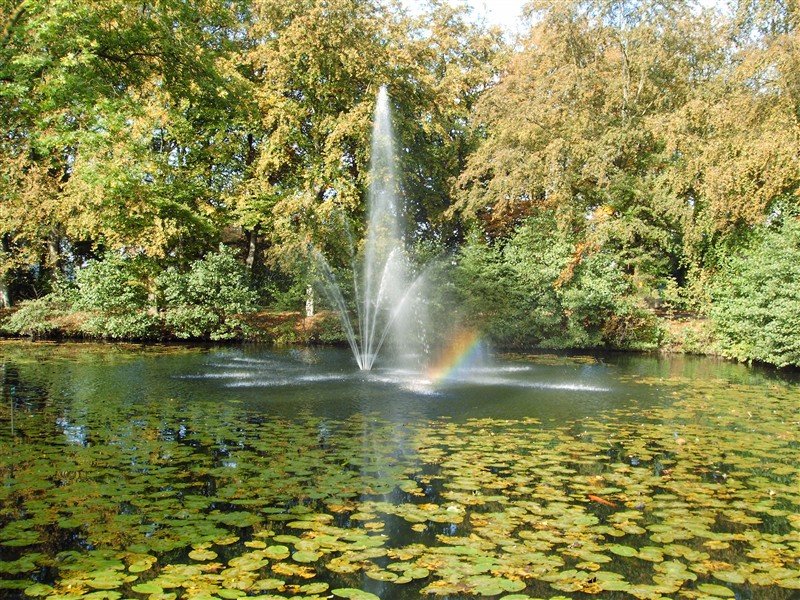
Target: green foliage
{"type": "Point", "coordinates": [536, 289]}
{"type": "Point", "coordinates": [115, 120]}
{"type": "Point", "coordinates": [756, 299]}
{"type": "Point", "coordinates": [487, 290]}
{"type": "Point", "coordinates": [118, 298]}
{"type": "Point", "coordinates": [328, 330]}
{"type": "Point", "coordinates": [286, 293]}
{"type": "Point", "coordinates": [317, 68]}
{"type": "Point", "coordinates": [115, 294]}
{"type": "Point", "coordinates": [654, 137]}
{"type": "Point", "coordinates": [659, 133]}
{"type": "Point", "coordinates": [36, 318]}
{"type": "Point", "coordinates": [204, 302]}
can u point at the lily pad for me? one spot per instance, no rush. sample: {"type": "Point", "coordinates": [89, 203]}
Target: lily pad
{"type": "Point", "coordinates": [622, 550]}
{"type": "Point", "coordinates": [713, 589]}
{"type": "Point", "coordinates": [305, 556]}
{"type": "Point", "coordinates": [354, 594]}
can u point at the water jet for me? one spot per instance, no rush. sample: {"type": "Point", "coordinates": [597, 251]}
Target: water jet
{"type": "Point", "coordinates": [385, 296]}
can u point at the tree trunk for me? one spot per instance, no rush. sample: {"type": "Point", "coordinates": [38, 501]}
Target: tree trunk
{"type": "Point", "coordinates": [252, 247]}
{"type": "Point", "coordinates": [5, 284]}
{"type": "Point", "coordinates": [252, 236]}
{"type": "Point", "coordinates": [310, 301]}
{"type": "Point", "coordinates": [54, 254]}
{"type": "Point", "coordinates": [5, 293]}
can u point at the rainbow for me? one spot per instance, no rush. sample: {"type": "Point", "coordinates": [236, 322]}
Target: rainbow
{"type": "Point", "coordinates": [466, 345]}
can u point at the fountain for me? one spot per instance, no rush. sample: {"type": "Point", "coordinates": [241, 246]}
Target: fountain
{"type": "Point", "coordinates": [385, 296]}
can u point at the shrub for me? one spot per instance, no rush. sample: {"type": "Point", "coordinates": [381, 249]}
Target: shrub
{"type": "Point", "coordinates": [204, 301]}
{"type": "Point", "coordinates": [327, 329]}
{"type": "Point", "coordinates": [755, 309]}
{"type": "Point", "coordinates": [37, 318]}
{"type": "Point", "coordinates": [487, 291]}
{"type": "Point", "coordinates": [519, 293]}
{"type": "Point", "coordinates": [115, 294]}
{"type": "Point", "coordinates": [603, 309]}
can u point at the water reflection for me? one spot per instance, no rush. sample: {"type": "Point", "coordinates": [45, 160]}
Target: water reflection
{"type": "Point", "coordinates": [575, 469]}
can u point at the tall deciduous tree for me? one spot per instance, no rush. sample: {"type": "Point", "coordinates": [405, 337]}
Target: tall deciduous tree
{"type": "Point", "coordinates": [317, 68]}
{"type": "Point", "coordinates": [735, 144]}
{"type": "Point", "coordinates": [658, 131]}
{"type": "Point", "coordinates": [113, 125]}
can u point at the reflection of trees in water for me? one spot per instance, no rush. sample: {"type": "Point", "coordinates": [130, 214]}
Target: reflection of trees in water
{"type": "Point", "coordinates": [158, 473]}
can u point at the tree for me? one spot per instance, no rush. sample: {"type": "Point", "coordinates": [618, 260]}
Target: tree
{"type": "Point", "coordinates": [658, 133]}
{"type": "Point", "coordinates": [317, 67]}
{"type": "Point", "coordinates": [735, 143]}
{"type": "Point", "coordinates": [113, 127]}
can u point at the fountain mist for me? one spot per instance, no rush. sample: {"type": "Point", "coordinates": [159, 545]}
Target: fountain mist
{"type": "Point", "coordinates": [385, 296]}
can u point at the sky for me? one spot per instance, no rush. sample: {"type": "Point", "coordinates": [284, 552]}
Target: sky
{"type": "Point", "coordinates": [508, 13]}
{"type": "Point", "coordinates": [505, 13]}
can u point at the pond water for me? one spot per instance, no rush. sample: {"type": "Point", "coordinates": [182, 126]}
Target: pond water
{"type": "Point", "coordinates": [163, 473]}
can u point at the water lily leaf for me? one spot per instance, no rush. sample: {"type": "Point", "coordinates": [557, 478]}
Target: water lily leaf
{"type": "Point", "coordinates": [622, 550]}
{"type": "Point", "coordinates": [729, 576]}
{"type": "Point", "coordinates": [716, 590]}
{"type": "Point", "coordinates": [276, 552]}
{"type": "Point", "coordinates": [354, 594]}
{"type": "Point", "coordinates": [380, 575]}
{"type": "Point", "coordinates": [305, 556]}
{"type": "Point", "coordinates": [314, 588]}
{"type": "Point", "coordinates": [650, 553]}
{"type": "Point", "coordinates": [248, 562]}
{"type": "Point", "coordinates": [147, 588]}
{"type": "Point", "coordinates": [792, 583]}
{"type": "Point", "coordinates": [14, 584]}
{"type": "Point", "coordinates": [227, 540]}
{"type": "Point", "coordinates": [38, 589]}
{"type": "Point", "coordinates": [24, 564]}
{"type": "Point", "coordinates": [292, 570]}
{"type": "Point", "coordinates": [416, 573]}
{"type": "Point", "coordinates": [614, 585]}
{"type": "Point", "coordinates": [308, 545]}
{"type": "Point", "coordinates": [239, 519]}
{"type": "Point", "coordinates": [202, 554]}
{"type": "Point", "coordinates": [106, 581]}
{"type": "Point", "coordinates": [101, 595]}
{"type": "Point", "coordinates": [286, 539]}
{"type": "Point", "coordinates": [267, 584]}
{"type": "Point", "coordinates": [512, 585]}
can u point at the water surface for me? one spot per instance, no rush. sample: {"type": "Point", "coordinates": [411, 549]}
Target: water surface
{"type": "Point", "coordinates": [232, 472]}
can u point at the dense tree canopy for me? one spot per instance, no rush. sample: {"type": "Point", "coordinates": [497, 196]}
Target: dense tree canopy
{"type": "Point", "coordinates": [636, 143]}
{"type": "Point", "coordinates": [316, 68]}
{"type": "Point", "coordinates": [655, 128]}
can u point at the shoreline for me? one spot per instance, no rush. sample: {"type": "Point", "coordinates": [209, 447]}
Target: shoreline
{"type": "Point", "coordinates": [684, 335]}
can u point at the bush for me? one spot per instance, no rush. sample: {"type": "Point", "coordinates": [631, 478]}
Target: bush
{"type": "Point", "coordinates": [755, 308]}
{"type": "Point", "coordinates": [37, 318]}
{"type": "Point", "coordinates": [603, 309]}
{"type": "Point", "coordinates": [118, 297]}
{"type": "Point", "coordinates": [42, 317]}
{"type": "Point", "coordinates": [327, 329]}
{"type": "Point", "coordinates": [537, 290]}
{"type": "Point", "coordinates": [487, 292]}
{"type": "Point", "coordinates": [115, 294]}
{"type": "Point", "coordinates": [204, 301]}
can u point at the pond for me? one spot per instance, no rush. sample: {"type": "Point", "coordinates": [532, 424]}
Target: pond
{"type": "Point", "coordinates": [160, 473]}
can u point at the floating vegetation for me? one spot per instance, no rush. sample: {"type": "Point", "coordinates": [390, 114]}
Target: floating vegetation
{"type": "Point", "coordinates": [697, 497]}
{"type": "Point", "coordinates": [551, 359]}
